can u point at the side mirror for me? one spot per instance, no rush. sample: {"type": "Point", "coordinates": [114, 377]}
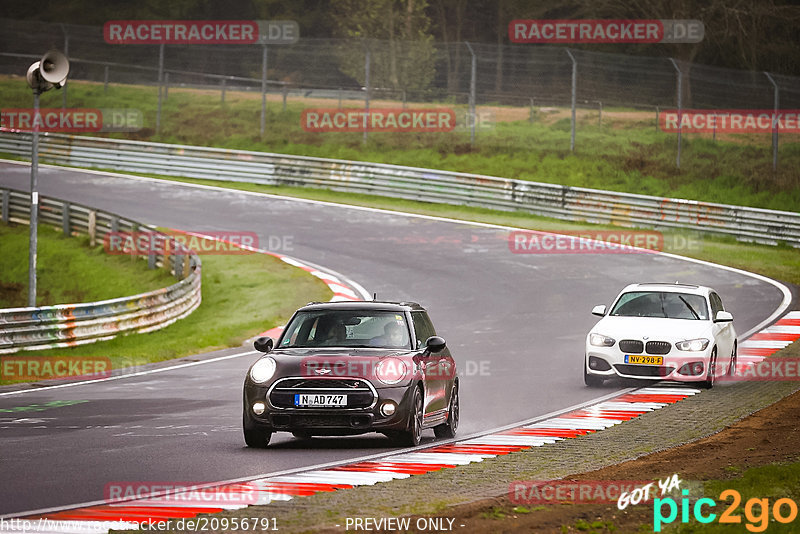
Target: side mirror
{"type": "Point", "coordinates": [263, 344]}
{"type": "Point", "coordinates": [723, 317]}
{"type": "Point", "coordinates": [599, 310]}
{"type": "Point", "coordinates": [435, 344]}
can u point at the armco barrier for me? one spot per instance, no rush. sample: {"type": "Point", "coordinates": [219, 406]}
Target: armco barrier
{"type": "Point", "coordinates": [569, 203]}
{"type": "Point", "coordinates": [66, 325]}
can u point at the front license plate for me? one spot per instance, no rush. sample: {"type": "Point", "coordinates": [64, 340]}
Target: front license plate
{"type": "Point", "coordinates": [644, 360]}
{"type": "Point", "coordinates": [320, 400]}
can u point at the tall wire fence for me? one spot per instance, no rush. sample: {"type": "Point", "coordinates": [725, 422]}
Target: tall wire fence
{"type": "Point", "coordinates": [518, 75]}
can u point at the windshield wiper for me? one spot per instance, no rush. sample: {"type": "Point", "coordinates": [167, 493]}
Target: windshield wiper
{"type": "Point", "coordinates": [690, 307]}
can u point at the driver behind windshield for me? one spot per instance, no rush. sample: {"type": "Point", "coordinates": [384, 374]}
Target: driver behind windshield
{"type": "Point", "coordinates": [393, 336]}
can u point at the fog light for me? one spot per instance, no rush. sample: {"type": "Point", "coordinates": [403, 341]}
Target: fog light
{"type": "Point", "coordinates": [258, 408]}
{"type": "Point", "coordinates": [598, 364]}
{"type": "Point", "coordinates": [388, 408]}
{"type": "Point", "coordinates": [692, 369]}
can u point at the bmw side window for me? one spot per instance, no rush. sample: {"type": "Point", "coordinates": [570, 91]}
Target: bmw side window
{"type": "Point", "coordinates": [423, 328]}
{"type": "Point", "coordinates": [716, 304]}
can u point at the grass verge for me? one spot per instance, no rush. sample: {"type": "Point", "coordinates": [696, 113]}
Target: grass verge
{"type": "Point", "coordinates": [242, 296]}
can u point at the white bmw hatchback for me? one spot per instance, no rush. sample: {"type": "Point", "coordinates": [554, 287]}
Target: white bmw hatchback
{"type": "Point", "coordinates": [664, 332]}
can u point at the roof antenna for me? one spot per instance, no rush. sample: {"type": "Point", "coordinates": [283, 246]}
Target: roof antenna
{"type": "Point", "coordinates": [676, 282]}
{"type": "Point", "coordinates": [374, 296]}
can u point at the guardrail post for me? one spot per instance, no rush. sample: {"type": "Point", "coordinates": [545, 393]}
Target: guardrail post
{"type": "Point", "coordinates": [92, 228]}
{"type": "Point", "coordinates": [186, 267]}
{"type": "Point", "coordinates": [65, 215]}
{"type": "Point", "coordinates": [574, 95]}
{"type": "Point", "coordinates": [152, 257]}
{"type": "Point", "coordinates": [5, 209]}
{"type": "Point", "coordinates": [178, 265]}
{"type": "Point", "coordinates": [115, 224]}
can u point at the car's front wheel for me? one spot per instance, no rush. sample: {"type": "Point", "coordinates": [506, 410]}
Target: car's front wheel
{"type": "Point", "coordinates": [593, 381]}
{"type": "Point", "coordinates": [448, 430]}
{"type": "Point", "coordinates": [413, 435]}
{"type": "Point", "coordinates": [708, 383]}
{"type": "Point", "coordinates": [257, 438]}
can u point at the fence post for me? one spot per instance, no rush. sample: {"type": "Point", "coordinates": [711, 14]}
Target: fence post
{"type": "Point", "coordinates": [285, 91]}
{"type": "Point", "coordinates": [472, 82]}
{"type": "Point", "coordinates": [66, 53]}
{"type": "Point", "coordinates": [775, 98]}
{"type": "Point", "coordinates": [160, 80]}
{"type": "Point", "coordinates": [366, 92]}
{"type": "Point", "coordinates": [574, 96]}
{"type": "Point", "coordinates": [600, 115]}
{"type": "Point", "coordinates": [105, 80]}
{"type": "Point", "coordinates": [530, 115]}
{"type": "Point", "coordinates": [657, 110]}
{"type": "Point", "coordinates": [166, 85]}
{"type": "Point", "coordinates": [263, 89]}
{"type": "Point", "coordinates": [680, 111]}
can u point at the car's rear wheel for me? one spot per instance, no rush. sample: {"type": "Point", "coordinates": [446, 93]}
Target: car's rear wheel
{"type": "Point", "coordinates": [448, 430]}
{"type": "Point", "coordinates": [413, 435]}
{"type": "Point", "coordinates": [708, 383]}
{"type": "Point", "coordinates": [593, 381]}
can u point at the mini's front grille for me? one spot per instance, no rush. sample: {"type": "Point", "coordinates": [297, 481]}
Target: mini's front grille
{"type": "Point", "coordinates": [658, 347]}
{"type": "Point", "coordinates": [631, 345]}
{"type": "Point", "coordinates": [359, 393]}
{"type": "Point", "coordinates": [653, 371]}
{"type": "Point", "coordinates": [322, 421]}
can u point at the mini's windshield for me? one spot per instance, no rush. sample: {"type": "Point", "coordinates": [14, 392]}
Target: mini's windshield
{"type": "Point", "coordinates": [661, 304]}
{"type": "Point", "coordinates": [347, 328]}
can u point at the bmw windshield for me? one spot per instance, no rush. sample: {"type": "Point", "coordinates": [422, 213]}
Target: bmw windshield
{"type": "Point", "coordinates": [351, 328]}
{"type": "Point", "coordinates": [664, 304]}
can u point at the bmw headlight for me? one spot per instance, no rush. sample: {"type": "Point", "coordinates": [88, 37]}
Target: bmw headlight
{"type": "Point", "coordinates": [262, 370]}
{"type": "Point", "coordinates": [599, 340]}
{"type": "Point", "coordinates": [693, 345]}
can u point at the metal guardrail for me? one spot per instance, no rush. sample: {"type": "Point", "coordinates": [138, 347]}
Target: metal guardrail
{"type": "Point", "coordinates": [66, 325]}
{"type": "Point", "coordinates": [561, 202]}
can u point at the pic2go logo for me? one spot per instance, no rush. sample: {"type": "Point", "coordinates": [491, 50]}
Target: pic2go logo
{"type": "Point", "coordinates": [756, 511]}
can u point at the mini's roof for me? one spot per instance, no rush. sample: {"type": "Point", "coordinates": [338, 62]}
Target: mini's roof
{"type": "Point", "coordinates": [363, 305]}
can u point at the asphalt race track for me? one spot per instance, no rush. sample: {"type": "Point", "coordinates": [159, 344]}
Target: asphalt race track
{"type": "Point", "coordinates": [515, 323]}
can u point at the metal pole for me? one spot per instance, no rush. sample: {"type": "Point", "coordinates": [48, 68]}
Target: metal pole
{"type": "Point", "coordinates": [574, 95]}
{"type": "Point", "coordinates": [600, 116]}
{"type": "Point", "coordinates": [160, 79]}
{"type": "Point", "coordinates": [472, 82]}
{"type": "Point", "coordinates": [223, 90]}
{"type": "Point", "coordinates": [285, 91]}
{"type": "Point", "coordinates": [775, 98]}
{"type": "Point", "coordinates": [263, 89]}
{"type": "Point", "coordinates": [530, 116]}
{"type": "Point", "coordinates": [680, 111]}
{"type": "Point", "coordinates": [34, 217]}
{"type": "Point", "coordinates": [366, 95]}
{"type": "Point", "coordinates": [657, 110]}
{"type": "Point", "coordinates": [105, 80]}
{"type": "Point", "coordinates": [166, 85]}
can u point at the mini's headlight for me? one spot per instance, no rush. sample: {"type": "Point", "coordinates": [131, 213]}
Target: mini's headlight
{"type": "Point", "coordinates": [391, 371]}
{"type": "Point", "coordinates": [599, 340]}
{"type": "Point", "coordinates": [693, 345]}
{"type": "Point", "coordinates": [262, 370]}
